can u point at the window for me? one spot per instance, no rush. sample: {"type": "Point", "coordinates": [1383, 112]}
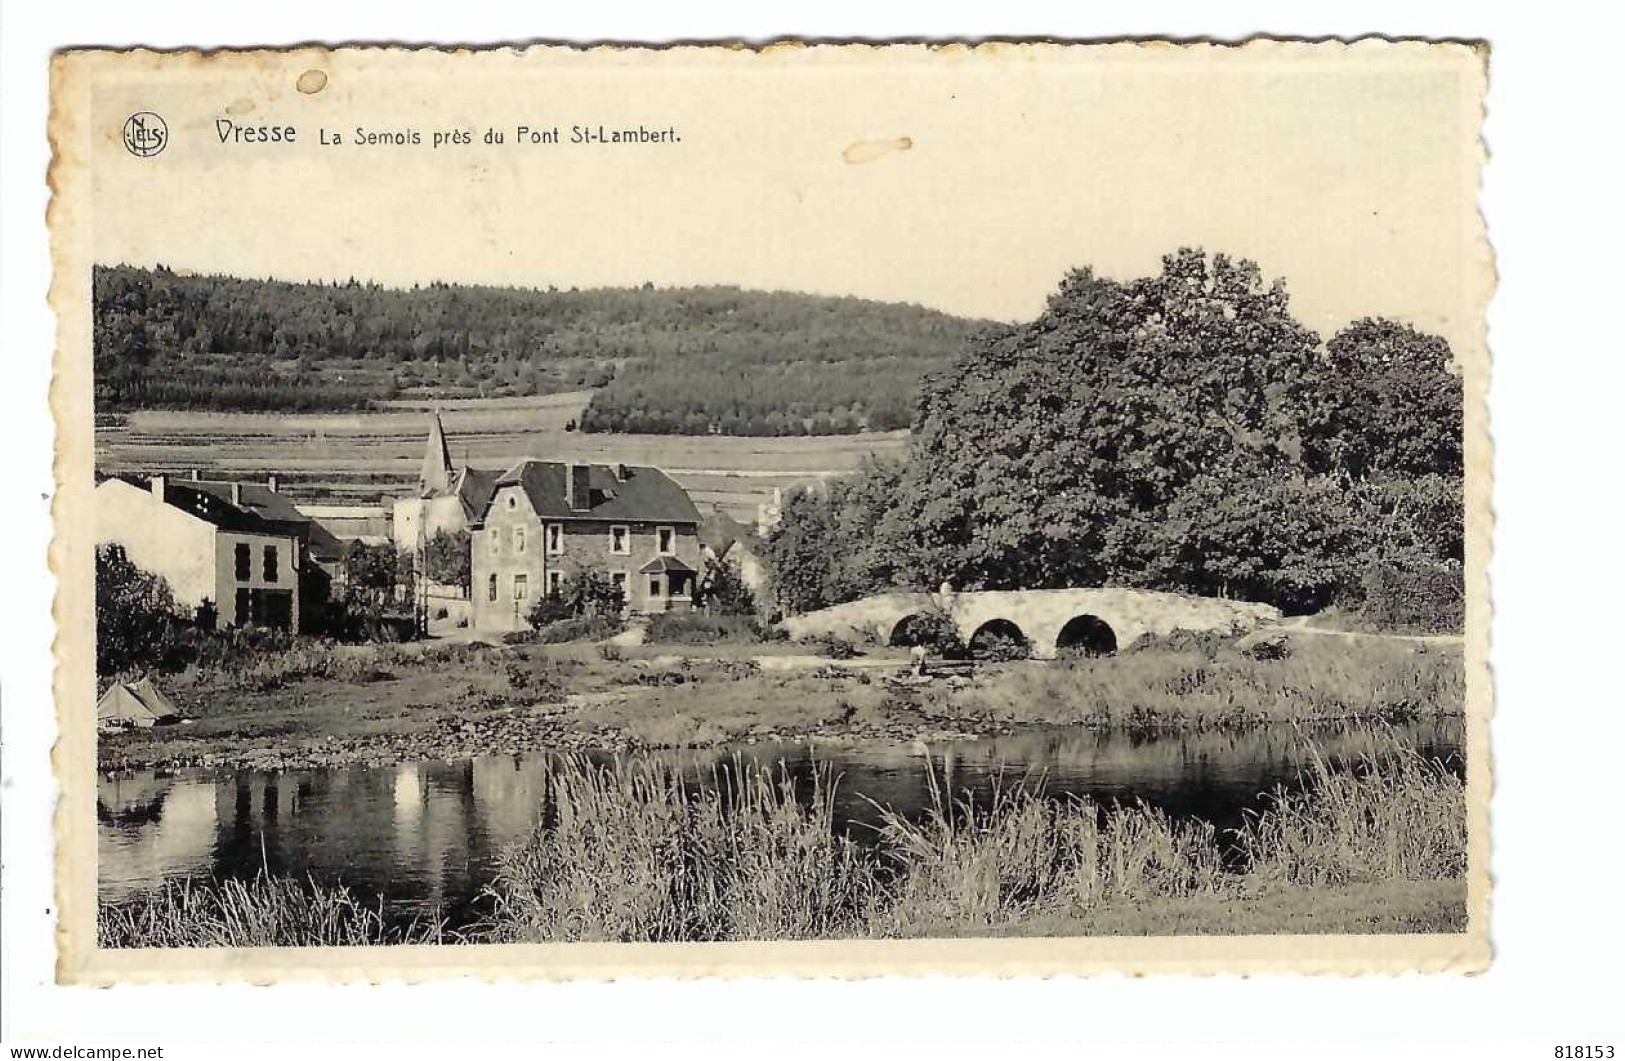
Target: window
{"type": "Point", "coordinates": [519, 539]}
{"type": "Point", "coordinates": [491, 588]}
{"type": "Point", "coordinates": [512, 501]}
{"type": "Point", "coordinates": [555, 539]}
{"type": "Point", "coordinates": [521, 587]}
{"type": "Point", "coordinates": [245, 562]}
{"type": "Point", "coordinates": [620, 541]}
{"type": "Point", "coordinates": [494, 537]}
{"type": "Point", "coordinates": [619, 579]}
{"type": "Point", "coordinates": [666, 540]}
{"type": "Point", "coordinates": [270, 568]}
{"type": "Point", "coordinates": [679, 585]}
{"type": "Point", "coordinates": [654, 585]}
{"type": "Point", "coordinates": [555, 582]}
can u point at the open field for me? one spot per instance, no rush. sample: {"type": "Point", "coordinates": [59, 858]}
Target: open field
{"type": "Point", "coordinates": [321, 705]}
{"type": "Point", "coordinates": [631, 851]}
{"type": "Point", "coordinates": [358, 457]}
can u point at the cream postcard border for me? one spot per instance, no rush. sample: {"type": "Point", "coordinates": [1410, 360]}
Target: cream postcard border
{"type": "Point", "coordinates": [73, 75]}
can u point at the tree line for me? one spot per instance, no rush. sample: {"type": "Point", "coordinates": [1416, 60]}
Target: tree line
{"type": "Point", "coordinates": [1179, 432]}
{"type": "Point", "coordinates": [681, 360]}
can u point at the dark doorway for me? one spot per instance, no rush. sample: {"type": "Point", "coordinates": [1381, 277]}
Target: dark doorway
{"type": "Point", "coordinates": [999, 639]}
{"type": "Point", "coordinates": [1086, 635]}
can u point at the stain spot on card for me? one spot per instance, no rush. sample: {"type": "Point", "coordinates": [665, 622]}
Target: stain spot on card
{"type": "Point", "coordinates": [311, 82]}
{"type": "Point", "coordinates": [240, 106]}
{"type": "Point", "coordinates": [864, 151]}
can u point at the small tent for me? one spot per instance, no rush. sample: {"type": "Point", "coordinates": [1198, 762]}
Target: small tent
{"type": "Point", "coordinates": [124, 706]}
{"type": "Point", "coordinates": [159, 704]}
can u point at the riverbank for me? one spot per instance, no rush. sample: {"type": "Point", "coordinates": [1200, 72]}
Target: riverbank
{"type": "Point", "coordinates": [631, 850]}
{"type": "Point", "coordinates": [323, 705]}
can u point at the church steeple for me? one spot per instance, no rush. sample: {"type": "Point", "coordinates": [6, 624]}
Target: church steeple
{"type": "Point", "coordinates": [436, 474]}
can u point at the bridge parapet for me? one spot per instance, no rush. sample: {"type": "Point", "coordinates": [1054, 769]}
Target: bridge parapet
{"type": "Point", "coordinates": [1049, 620]}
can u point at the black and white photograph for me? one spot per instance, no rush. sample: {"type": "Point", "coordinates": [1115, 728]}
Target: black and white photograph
{"type": "Point", "coordinates": [840, 494]}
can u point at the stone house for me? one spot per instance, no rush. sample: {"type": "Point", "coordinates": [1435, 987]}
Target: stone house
{"type": "Point", "coordinates": [239, 546]}
{"type": "Point", "coordinates": [548, 519]}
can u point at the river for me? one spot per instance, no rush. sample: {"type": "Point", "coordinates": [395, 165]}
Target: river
{"type": "Point", "coordinates": [429, 834]}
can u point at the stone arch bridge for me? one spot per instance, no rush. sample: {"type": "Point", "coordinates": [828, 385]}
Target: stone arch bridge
{"type": "Point", "coordinates": [1096, 620]}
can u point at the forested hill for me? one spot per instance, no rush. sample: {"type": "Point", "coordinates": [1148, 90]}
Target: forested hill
{"type": "Point", "coordinates": [684, 360]}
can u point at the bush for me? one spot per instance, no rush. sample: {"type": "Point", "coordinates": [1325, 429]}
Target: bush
{"type": "Point", "coordinates": [834, 646]}
{"type": "Point", "coordinates": [1414, 598]}
{"type": "Point", "coordinates": [997, 647]}
{"type": "Point", "coordinates": [588, 593]}
{"type": "Point", "coordinates": [1268, 648]}
{"type": "Point", "coordinates": [584, 629]}
{"type": "Point", "coordinates": [535, 679]}
{"type": "Point", "coordinates": [697, 628]}
{"type": "Point", "coordinates": [935, 631]}
{"type": "Point", "coordinates": [137, 621]}
{"type": "Point", "coordinates": [550, 608]}
{"type": "Point", "coordinates": [1205, 643]}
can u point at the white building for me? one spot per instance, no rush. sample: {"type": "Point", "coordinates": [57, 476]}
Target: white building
{"type": "Point", "coordinates": [209, 544]}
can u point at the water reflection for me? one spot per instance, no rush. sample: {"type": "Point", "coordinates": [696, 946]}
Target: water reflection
{"type": "Point", "coordinates": [430, 835]}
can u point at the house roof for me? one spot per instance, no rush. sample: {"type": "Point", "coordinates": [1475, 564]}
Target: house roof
{"type": "Point", "coordinates": [474, 487]}
{"type": "Point", "coordinates": [259, 510]}
{"type": "Point", "coordinates": [211, 502]}
{"type": "Point", "coordinates": [665, 563]}
{"type": "Point", "coordinates": [720, 531]}
{"type": "Point", "coordinates": [435, 476]}
{"type": "Point", "coordinates": [273, 507]}
{"type": "Point", "coordinates": [646, 495]}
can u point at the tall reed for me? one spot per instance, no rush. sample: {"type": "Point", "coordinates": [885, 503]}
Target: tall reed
{"type": "Point", "coordinates": [1020, 852]}
{"type": "Point", "coordinates": [632, 851]}
{"type": "Point", "coordinates": [1393, 815]}
{"type": "Point", "coordinates": [266, 911]}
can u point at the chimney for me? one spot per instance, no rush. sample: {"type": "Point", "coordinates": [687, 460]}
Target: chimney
{"type": "Point", "coordinates": [237, 493]}
{"type": "Point", "coordinates": [578, 486]}
{"type": "Point", "coordinates": [620, 472]}
{"type": "Point", "coordinates": [271, 483]}
{"type": "Point", "coordinates": [157, 482]}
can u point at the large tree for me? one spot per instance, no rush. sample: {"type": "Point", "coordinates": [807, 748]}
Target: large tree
{"type": "Point", "coordinates": [449, 560]}
{"type": "Point", "coordinates": [1181, 431]}
{"type": "Point", "coordinates": [1054, 454]}
{"type": "Point", "coordinates": [136, 614]}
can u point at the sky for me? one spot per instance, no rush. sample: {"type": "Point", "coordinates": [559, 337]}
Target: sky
{"type": "Point", "coordinates": [969, 181]}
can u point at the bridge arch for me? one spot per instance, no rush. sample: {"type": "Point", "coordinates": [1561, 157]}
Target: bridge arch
{"type": "Point", "coordinates": [1086, 635]}
{"type": "Point", "coordinates": [999, 638]}
{"type": "Point", "coordinates": [907, 630]}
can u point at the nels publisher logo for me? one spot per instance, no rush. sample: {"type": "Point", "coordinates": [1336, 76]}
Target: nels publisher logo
{"type": "Point", "coordinates": [145, 134]}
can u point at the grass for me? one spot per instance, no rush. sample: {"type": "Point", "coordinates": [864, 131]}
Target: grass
{"type": "Point", "coordinates": [1393, 907]}
{"type": "Point", "coordinates": [266, 911]}
{"type": "Point", "coordinates": [1322, 680]}
{"type": "Point", "coordinates": [632, 852]}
